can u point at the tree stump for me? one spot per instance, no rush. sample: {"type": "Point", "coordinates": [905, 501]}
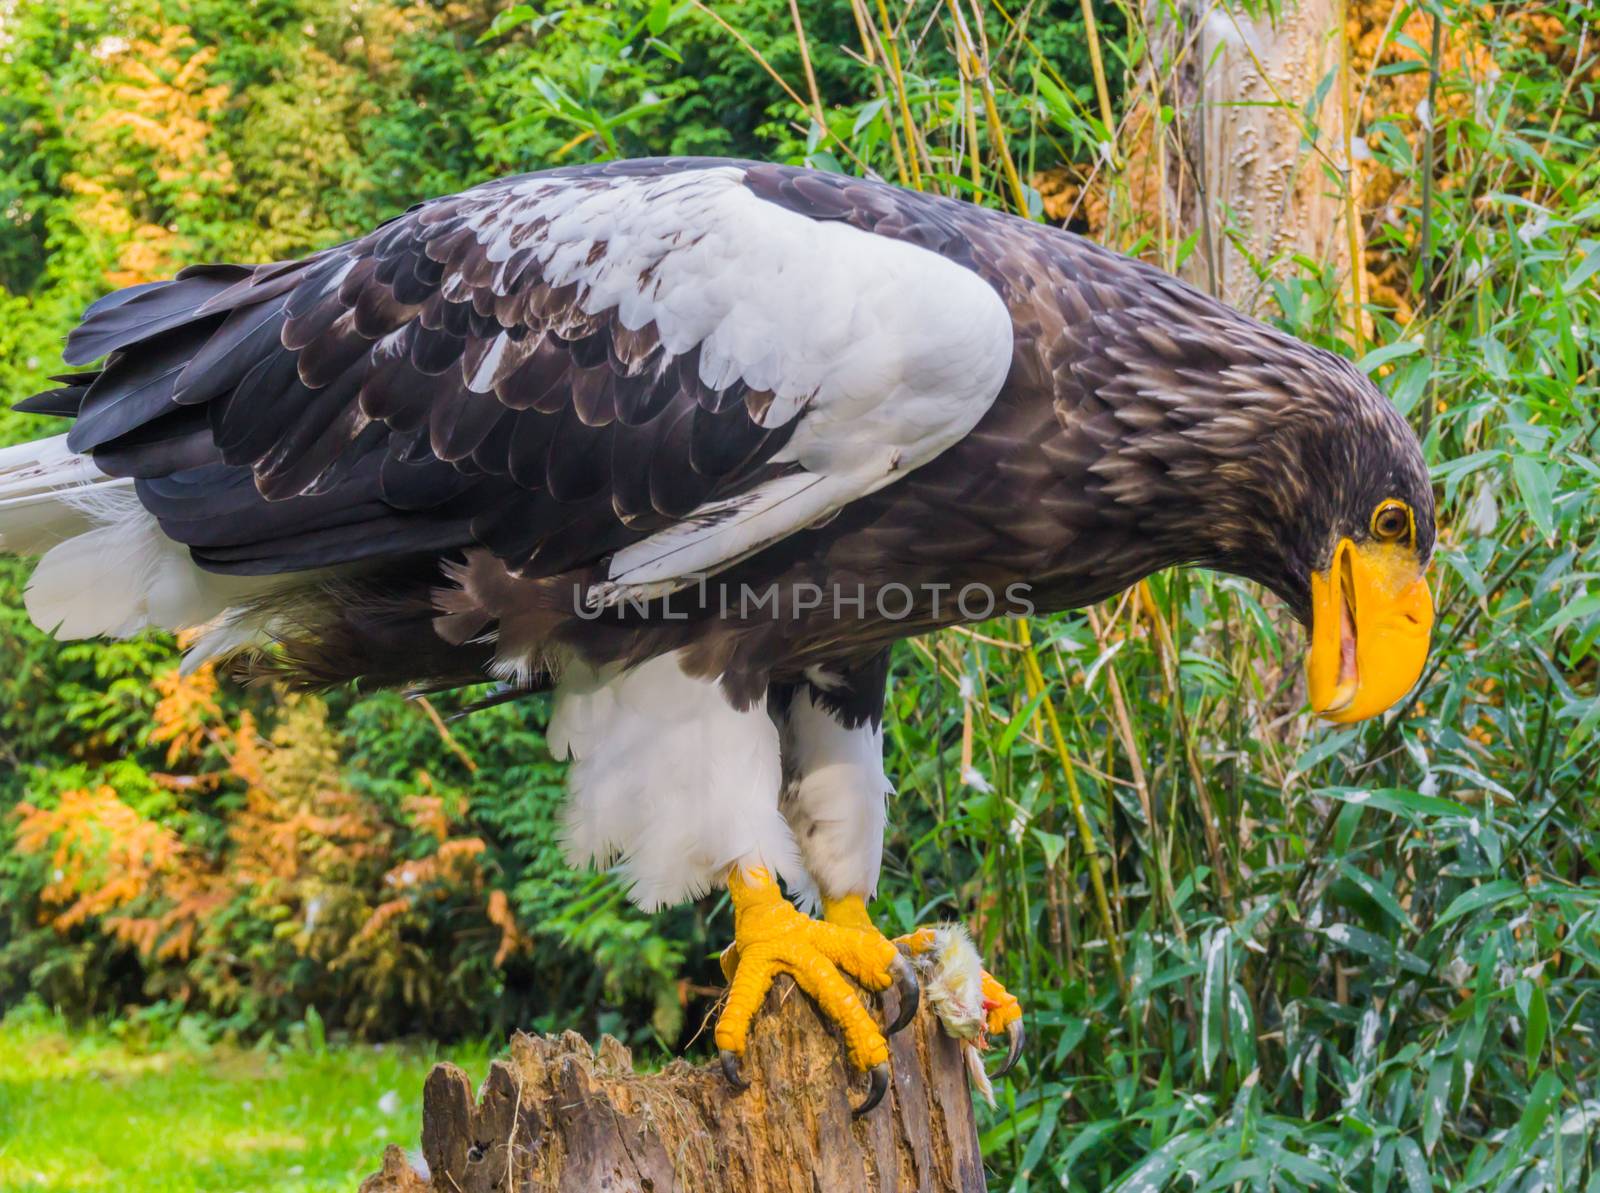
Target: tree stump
{"type": "Point", "coordinates": [561, 1116]}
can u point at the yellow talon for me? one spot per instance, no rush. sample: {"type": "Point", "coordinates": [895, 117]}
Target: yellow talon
{"type": "Point", "coordinates": [918, 942]}
{"type": "Point", "coordinates": [849, 912]}
{"type": "Point", "coordinates": [947, 961]}
{"type": "Point", "coordinates": [771, 937]}
{"type": "Point", "coordinates": [1000, 1003]}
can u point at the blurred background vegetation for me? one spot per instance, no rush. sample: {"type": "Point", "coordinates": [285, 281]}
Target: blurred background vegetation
{"type": "Point", "coordinates": [1361, 957]}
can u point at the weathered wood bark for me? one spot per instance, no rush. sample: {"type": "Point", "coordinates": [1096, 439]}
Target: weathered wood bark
{"type": "Point", "coordinates": [1238, 167]}
{"type": "Point", "coordinates": [561, 1116]}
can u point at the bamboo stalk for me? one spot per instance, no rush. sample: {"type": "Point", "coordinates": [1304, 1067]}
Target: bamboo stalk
{"type": "Point", "coordinates": [805, 61]}
{"type": "Point", "coordinates": [1101, 91]}
{"type": "Point", "coordinates": [1034, 676]}
{"type": "Point", "coordinates": [965, 56]}
{"type": "Point", "coordinates": [1169, 670]}
{"type": "Point", "coordinates": [443, 730]}
{"type": "Point", "coordinates": [1429, 301]}
{"type": "Point", "coordinates": [869, 48]}
{"type": "Point", "coordinates": [972, 56]}
{"type": "Point", "coordinates": [1352, 227]}
{"type": "Point", "coordinates": [891, 51]}
{"type": "Point", "coordinates": [997, 131]}
{"type": "Point", "coordinates": [761, 61]}
{"type": "Point", "coordinates": [1130, 746]}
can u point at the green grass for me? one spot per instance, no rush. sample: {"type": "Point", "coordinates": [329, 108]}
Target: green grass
{"type": "Point", "coordinates": [84, 1110]}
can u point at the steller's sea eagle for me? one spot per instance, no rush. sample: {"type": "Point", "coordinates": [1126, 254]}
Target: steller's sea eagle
{"type": "Point", "coordinates": [691, 443]}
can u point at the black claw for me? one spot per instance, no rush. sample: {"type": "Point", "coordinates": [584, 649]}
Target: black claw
{"type": "Point", "coordinates": [879, 1077]}
{"type": "Point", "coordinates": [909, 989]}
{"type": "Point", "coordinates": [1017, 1036]}
{"type": "Point", "coordinates": [730, 1070]}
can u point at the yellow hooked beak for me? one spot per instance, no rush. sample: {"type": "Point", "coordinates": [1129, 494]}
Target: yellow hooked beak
{"type": "Point", "coordinates": [1371, 614]}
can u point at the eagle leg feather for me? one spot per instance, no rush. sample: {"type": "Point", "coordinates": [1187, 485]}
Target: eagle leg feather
{"type": "Point", "coordinates": [770, 936]}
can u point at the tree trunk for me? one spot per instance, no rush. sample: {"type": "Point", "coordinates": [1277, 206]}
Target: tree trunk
{"type": "Point", "coordinates": [1236, 166]}
{"type": "Point", "coordinates": [561, 1116]}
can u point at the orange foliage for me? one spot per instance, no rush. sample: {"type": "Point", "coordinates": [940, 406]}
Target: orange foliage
{"type": "Point", "coordinates": [304, 863]}
{"type": "Point", "coordinates": [103, 854]}
{"type": "Point", "coordinates": [148, 124]}
{"type": "Point", "coordinates": [428, 813]}
{"type": "Point", "coordinates": [511, 938]}
{"type": "Point", "coordinates": [381, 918]}
{"type": "Point", "coordinates": [185, 712]}
{"type": "Point", "coordinates": [304, 850]}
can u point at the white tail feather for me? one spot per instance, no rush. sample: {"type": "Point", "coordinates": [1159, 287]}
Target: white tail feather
{"type": "Point", "coordinates": [106, 568]}
{"type": "Point", "coordinates": [42, 486]}
{"type": "Point", "coordinates": [228, 633]}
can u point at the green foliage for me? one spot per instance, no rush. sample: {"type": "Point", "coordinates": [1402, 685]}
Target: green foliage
{"type": "Point", "coordinates": [209, 130]}
{"type": "Point", "coordinates": [154, 1095]}
{"type": "Point", "coordinates": [1354, 957]}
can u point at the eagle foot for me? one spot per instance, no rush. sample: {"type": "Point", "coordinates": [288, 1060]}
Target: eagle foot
{"type": "Point", "coordinates": [771, 937]}
{"type": "Point", "coordinates": [969, 1000]}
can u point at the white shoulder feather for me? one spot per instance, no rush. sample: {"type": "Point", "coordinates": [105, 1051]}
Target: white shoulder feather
{"type": "Point", "coordinates": [886, 352]}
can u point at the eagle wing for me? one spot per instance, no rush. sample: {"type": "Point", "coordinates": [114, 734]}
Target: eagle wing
{"type": "Point", "coordinates": [643, 363]}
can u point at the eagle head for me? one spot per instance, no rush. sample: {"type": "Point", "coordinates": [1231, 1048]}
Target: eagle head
{"type": "Point", "coordinates": [1328, 504]}
{"type": "Point", "coordinates": [1364, 597]}
{"type": "Point", "coordinates": [1218, 441]}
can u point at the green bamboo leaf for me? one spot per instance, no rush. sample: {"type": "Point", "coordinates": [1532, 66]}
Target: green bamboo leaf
{"type": "Point", "coordinates": [517, 14]}
{"type": "Point", "coordinates": [1583, 606]}
{"type": "Point", "coordinates": [1546, 1092]}
{"type": "Point", "coordinates": [1383, 1168]}
{"type": "Point", "coordinates": [1308, 1172]}
{"type": "Point", "coordinates": [1466, 1060]}
{"type": "Point", "coordinates": [1533, 482]}
{"type": "Point", "coordinates": [1586, 727]}
{"type": "Point", "coordinates": [1402, 802]}
{"type": "Point", "coordinates": [1585, 270]}
{"type": "Point", "coordinates": [1359, 940]}
{"type": "Point", "coordinates": [1052, 845]}
{"type": "Point", "coordinates": [1241, 1030]}
{"type": "Point", "coordinates": [1382, 356]}
{"type": "Point", "coordinates": [1020, 722]}
{"type": "Point", "coordinates": [1213, 998]}
{"type": "Point", "coordinates": [1436, 1103]}
{"type": "Point", "coordinates": [1379, 894]}
{"type": "Point", "coordinates": [1086, 1139]}
{"type": "Point", "coordinates": [1538, 1025]}
{"type": "Point", "coordinates": [1153, 1173]}
{"type": "Point", "coordinates": [1041, 1137]}
{"type": "Point", "coordinates": [1327, 747]}
{"type": "Point", "coordinates": [868, 113]}
{"type": "Point", "coordinates": [1489, 894]}
{"type": "Point", "coordinates": [1484, 983]}
{"type": "Point", "coordinates": [1413, 1165]}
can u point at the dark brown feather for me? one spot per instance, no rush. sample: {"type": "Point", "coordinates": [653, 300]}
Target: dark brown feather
{"type": "Point", "coordinates": [1142, 425]}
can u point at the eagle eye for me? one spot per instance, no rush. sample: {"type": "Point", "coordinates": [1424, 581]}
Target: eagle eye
{"type": "Point", "coordinates": [1391, 521]}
